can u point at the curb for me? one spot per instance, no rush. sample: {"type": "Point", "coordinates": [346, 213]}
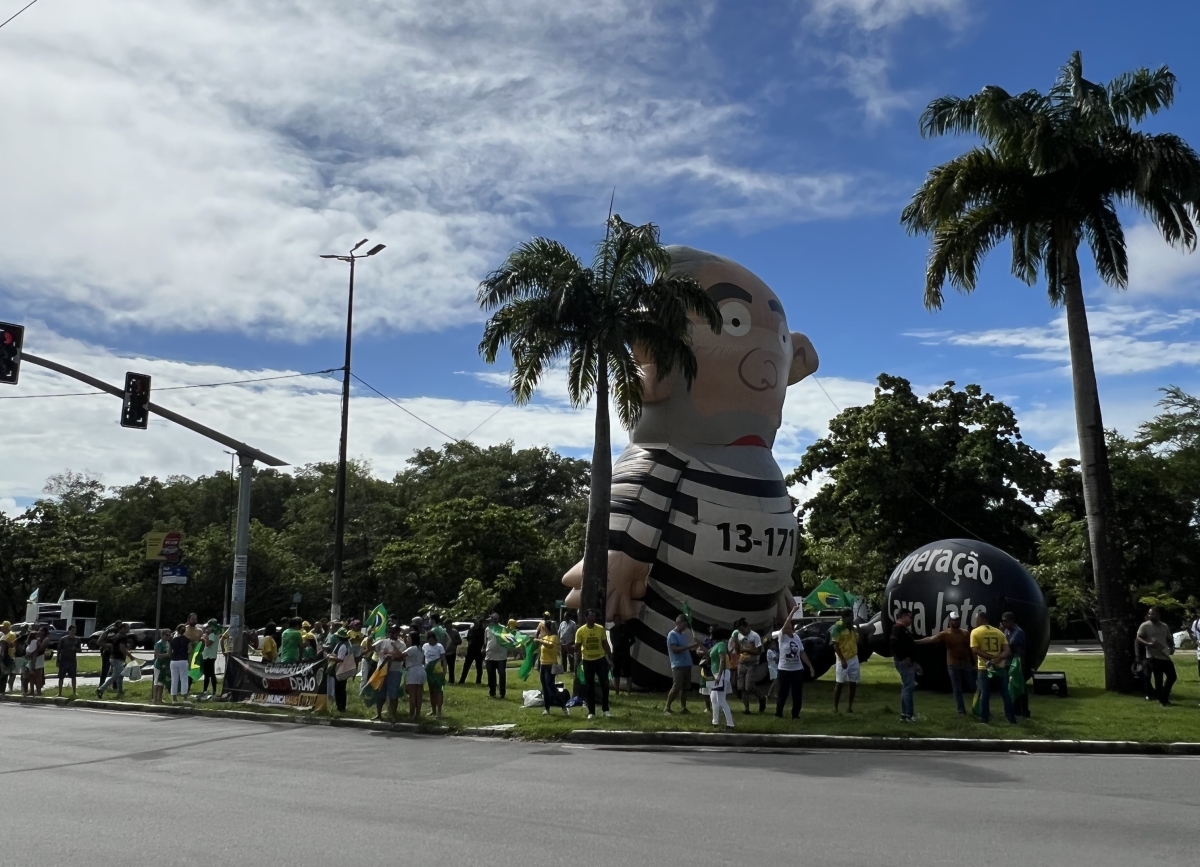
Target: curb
{"type": "Point", "coordinates": [668, 740]}
{"type": "Point", "coordinates": [628, 739]}
{"type": "Point", "coordinates": [243, 715]}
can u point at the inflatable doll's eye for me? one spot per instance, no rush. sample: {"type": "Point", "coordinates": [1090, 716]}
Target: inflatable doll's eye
{"type": "Point", "coordinates": [785, 338]}
{"type": "Point", "coordinates": [735, 319]}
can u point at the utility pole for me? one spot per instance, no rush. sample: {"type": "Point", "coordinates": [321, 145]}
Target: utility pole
{"type": "Point", "coordinates": [339, 516]}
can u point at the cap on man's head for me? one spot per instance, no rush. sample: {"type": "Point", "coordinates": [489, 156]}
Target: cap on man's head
{"type": "Point", "coordinates": [954, 615]}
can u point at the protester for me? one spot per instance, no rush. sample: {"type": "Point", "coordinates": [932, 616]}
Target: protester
{"type": "Point", "coordinates": [21, 661]}
{"type": "Point", "coordinates": [902, 657]}
{"type": "Point", "coordinates": [414, 675]}
{"type": "Point", "coordinates": [495, 655]}
{"type": "Point", "coordinates": [748, 646]}
{"type": "Point", "coordinates": [68, 659]}
{"type": "Point", "coordinates": [338, 654]}
{"type": "Point", "coordinates": [594, 650]}
{"type": "Point", "coordinates": [991, 650]}
{"type": "Point", "coordinates": [792, 661]}
{"type": "Point", "coordinates": [106, 642]}
{"type": "Point", "coordinates": [679, 649]}
{"type": "Point", "coordinates": [194, 633]}
{"type": "Point", "coordinates": [844, 637]}
{"type": "Point", "coordinates": [1142, 666]}
{"type": "Point", "coordinates": [290, 641]}
{"type": "Point", "coordinates": [7, 639]}
{"type": "Point", "coordinates": [621, 639]}
{"type": "Point", "coordinates": [451, 642]}
{"type": "Point", "coordinates": [210, 639]}
{"type": "Point", "coordinates": [120, 658]}
{"type": "Point", "coordinates": [355, 636]}
{"type": "Point", "coordinates": [566, 641]}
{"type": "Point", "coordinates": [326, 649]}
{"type": "Point", "coordinates": [162, 665]}
{"type": "Point", "coordinates": [35, 653]}
{"type": "Point", "coordinates": [1194, 630]}
{"type": "Point", "coordinates": [960, 664]}
{"type": "Point", "coordinates": [475, 641]}
{"type": "Point", "coordinates": [367, 655]}
{"type": "Point", "coordinates": [1155, 636]}
{"type": "Point", "coordinates": [719, 682]}
{"type": "Point", "coordinates": [772, 646]}
{"type": "Point", "coordinates": [390, 652]}
{"type": "Point", "coordinates": [1017, 645]}
{"type": "Point", "coordinates": [180, 655]}
{"type": "Point", "coordinates": [435, 669]}
{"type": "Point", "coordinates": [268, 645]}
{"type": "Point", "coordinates": [548, 650]}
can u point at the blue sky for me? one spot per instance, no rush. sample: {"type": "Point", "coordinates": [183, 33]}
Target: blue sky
{"type": "Point", "coordinates": [172, 170]}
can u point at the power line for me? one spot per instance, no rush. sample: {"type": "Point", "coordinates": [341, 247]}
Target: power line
{"type": "Point", "coordinates": [176, 387]}
{"type": "Point", "coordinates": [19, 11]}
{"type": "Point", "coordinates": [405, 409]}
{"type": "Point", "coordinates": [905, 481]}
{"type": "Point", "coordinates": [485, 421]}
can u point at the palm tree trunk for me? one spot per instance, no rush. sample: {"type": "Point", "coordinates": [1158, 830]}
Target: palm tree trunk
{"type": "Point", "coordinates": [1113, 604]}
{"type": "Point", "coordinates": [594, 591]}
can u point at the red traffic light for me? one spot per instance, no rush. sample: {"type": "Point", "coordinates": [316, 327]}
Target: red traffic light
{"type": "Point", "coordinates": [11, 338]}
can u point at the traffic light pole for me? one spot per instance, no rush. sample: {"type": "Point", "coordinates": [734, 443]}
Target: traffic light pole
{"type": "Point", "coordinates": [246, 454]}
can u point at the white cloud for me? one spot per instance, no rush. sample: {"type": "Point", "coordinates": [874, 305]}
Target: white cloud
{"type": "Point", "coordinates": [180, 165]}
{"type": "Point", "coordinates": [1120, 343]}
{"type": "Point", "coordinates": [1155, 267]}
{"type": "Point", "coordinates": [878, 14]}
{"type": "Point", "coordinates": [866, 78]}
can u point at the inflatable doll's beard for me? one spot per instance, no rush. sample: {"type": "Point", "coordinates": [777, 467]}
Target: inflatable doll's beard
{"type": "Point", "coordinates": [678, 422]}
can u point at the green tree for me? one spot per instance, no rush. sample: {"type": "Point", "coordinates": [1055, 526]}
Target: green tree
{"type": "Point", "coordinates": [906, 470]}
{"type": "Point", "coordinates": [547, 306]}
{"type": "Point", "coordinates": [1050, 174]}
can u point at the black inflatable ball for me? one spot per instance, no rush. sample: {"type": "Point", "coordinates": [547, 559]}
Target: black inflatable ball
{"type": "Point", "coordinates": [968, 577]}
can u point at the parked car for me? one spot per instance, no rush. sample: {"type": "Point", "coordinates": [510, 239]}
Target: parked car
{"type": "Point", "coordinates": [529, 626]}
{"type": "Point", "coordinates": [462, 626]}
{"type": "Point", "coordinates": [140, 635]}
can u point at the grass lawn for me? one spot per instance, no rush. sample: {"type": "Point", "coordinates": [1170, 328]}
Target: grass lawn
{"type": "Point", "coordinates": [1088, 714]}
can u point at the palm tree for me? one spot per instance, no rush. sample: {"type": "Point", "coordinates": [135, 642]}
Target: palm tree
{"type": "Point", "coordinates": [1050, 172]}
{"type": "Point", "coordinates": [601, 319]}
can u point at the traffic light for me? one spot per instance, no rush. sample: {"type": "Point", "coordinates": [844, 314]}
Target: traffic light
{"type": "Point", "coordinates": [10, 352]}
{"type": "Point", "coordinates": [135, 410]}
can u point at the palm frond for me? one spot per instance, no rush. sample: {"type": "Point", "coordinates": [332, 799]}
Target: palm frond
{"type": "Point", "coordinates": [537, 267]}
{"type": "Point", "coordinates": [1102, 228]}
{"type": "Point", "coordinates": [626, 382]}
{"type": "Point", "coordinates": [1027, 243]}
{"type": "Point", "coordinates": [582, 373]}
{"type": "Point", "coordinates": [1134, 95]}
{"type": "Point", "coordinates": [959, 246]}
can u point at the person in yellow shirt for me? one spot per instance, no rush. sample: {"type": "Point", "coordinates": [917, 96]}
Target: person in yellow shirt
{"type": "Point", "coordinates": [990, 648]}
{"type": "Point", "coordinates": [844, 637]}
{"type": "Point", "coordinates": [594, 650]}
{"type": "Point", "coordinates": [548, 646]}
{"type": "Point", "coordinates": [268, 644]}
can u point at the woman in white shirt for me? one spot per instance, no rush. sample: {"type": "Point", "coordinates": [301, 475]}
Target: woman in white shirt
{"type": "Point", "coordinates": [435, 671]}
{"type": "Point", "coordinates": [414, 676]}
{"type": "Point", "coordinates": [792, 662]}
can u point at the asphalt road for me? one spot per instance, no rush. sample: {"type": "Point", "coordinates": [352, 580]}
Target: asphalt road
{"type": "Point", "coordinates": [109, 787]}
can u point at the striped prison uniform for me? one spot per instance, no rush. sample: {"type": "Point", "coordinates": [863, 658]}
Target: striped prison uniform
{"type": "Point", "coordinates": [716, 524]}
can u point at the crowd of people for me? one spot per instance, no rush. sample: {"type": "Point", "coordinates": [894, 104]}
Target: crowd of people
{"type": "Point", "coordinates": [422, 657]}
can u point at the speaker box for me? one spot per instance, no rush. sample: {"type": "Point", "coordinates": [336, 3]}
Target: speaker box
{"type": "Point", "coordinates": [1050, 683]}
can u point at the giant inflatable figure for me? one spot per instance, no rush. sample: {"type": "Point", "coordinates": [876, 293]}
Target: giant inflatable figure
{"type": "Point", "coordinates": [701, 519]}
{"type": "Point", "coordinates": [966, 576]}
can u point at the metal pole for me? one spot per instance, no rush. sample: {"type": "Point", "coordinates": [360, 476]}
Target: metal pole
{"type": "Point", "coordinates": [158, 607]}
{"type": "Point", "coordinates": [237, 595]}
{"type": "Point", "coordinates": [229, 540]}
{"type": "Point", "coordinates": [339, 518]}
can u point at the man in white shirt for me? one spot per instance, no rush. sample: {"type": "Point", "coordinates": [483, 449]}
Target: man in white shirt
{"type": "Point", "coordinates": [1194, 631]}
{"type": "Point", "coordinates": [566, 641]}
{"type": "Point", "coordinates": [748, 646]}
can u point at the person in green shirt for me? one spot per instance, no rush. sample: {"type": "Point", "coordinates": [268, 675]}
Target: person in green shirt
{"type": "Point", "coordinates": [289, 642]}
{"type": "Point", "coordinates": [162, 665]}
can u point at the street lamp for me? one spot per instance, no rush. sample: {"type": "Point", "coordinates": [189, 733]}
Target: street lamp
{"type": "Point", "coordinates": [339, 519]}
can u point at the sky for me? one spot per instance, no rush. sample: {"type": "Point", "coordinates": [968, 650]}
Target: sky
{"type": "Point", "coordinates": [171, 170]}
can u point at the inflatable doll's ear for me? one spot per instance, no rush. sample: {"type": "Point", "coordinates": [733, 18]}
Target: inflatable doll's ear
{"type": "Point", "coordinates": [654, 389]}
{"type": "Point", "coordinates": [804, 358]}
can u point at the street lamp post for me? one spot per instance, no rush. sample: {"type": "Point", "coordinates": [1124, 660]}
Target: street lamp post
{"type": "Point", "coordinates": [339, 518]}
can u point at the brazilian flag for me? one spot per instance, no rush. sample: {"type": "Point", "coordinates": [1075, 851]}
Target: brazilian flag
{"type": "Point", "coordinates": [828, 596]}
{"type": "Point", "coordinates": [195, 672]}
{"type": "Point", "coordinates": [376, 625]}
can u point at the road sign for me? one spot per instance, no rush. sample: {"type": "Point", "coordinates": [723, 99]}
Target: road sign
{"type": "Point", "coordinates": [172, 573]}
{"type": "Point", "coordinates": [164, 545]}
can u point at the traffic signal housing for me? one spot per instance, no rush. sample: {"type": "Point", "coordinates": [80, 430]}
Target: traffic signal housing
{"type": "Point", "coordinates": [135, 409]}
{"type": "Point", "coordinates": [11, 338]}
